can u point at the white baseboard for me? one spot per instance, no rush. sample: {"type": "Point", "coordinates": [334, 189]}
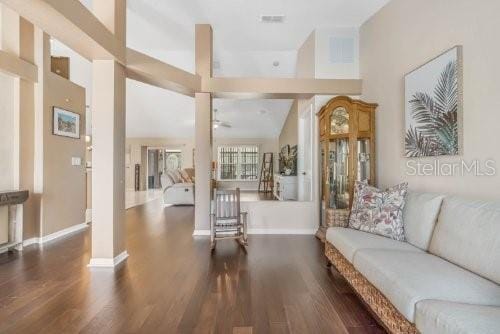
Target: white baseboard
{"type": "Point", "coordinates": [88, 215]}
{"type": "Point", "coordinates": [108, 262]}
{"type": "Point", "coordinates": [55, 235]}
{"type": "Point", "coordinates": [283, 231]}
{"type": "Point", "coordinates": [296, 231]}
{"type": "Point", "coordinates": [201, 232]}
{"type": "Point", "coordinates": [31, 241]}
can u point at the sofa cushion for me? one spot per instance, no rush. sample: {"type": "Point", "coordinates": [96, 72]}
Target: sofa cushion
{"type": "Point", "coordinates": [468, 234]}
{"type": "Point", "coordinates": [166, 181]}
{"type": "Point", "coordinates": [183, 185]}
{"type": "Point", "coordinates": [434, 316]}
{"type": "Point", "coordinates": [349, 241]}
{"type": "Point", "coordinates": [419, 217]}
{"type": "Point", "coordinates": [185, 176]}
{"type": "Point", "coordinates": [379, 212]}
{"type": "Point", "coordinates": [175, 176]}
{"type": "Point", "coordinates": [406, 278]}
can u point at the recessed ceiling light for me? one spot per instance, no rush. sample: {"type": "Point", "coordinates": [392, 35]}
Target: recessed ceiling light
{"type": "Point", "coordinates": [276, 63]}
{"type": "Point", "coordinates": [272, 18]}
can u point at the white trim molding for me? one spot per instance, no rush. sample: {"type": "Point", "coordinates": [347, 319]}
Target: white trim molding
{"type": "Point", "coordinates": [278, 231]}
{"type": "Point", "coordinates": [55, 235]}
{"type": "Point", "coordinates": [284, 231]}
{"type": "Point", "coordinates": [201, 232]}
{"type": "Point", "coordinates": [108, 262]}
{"type": "Point", "coordinates": [88, 215]}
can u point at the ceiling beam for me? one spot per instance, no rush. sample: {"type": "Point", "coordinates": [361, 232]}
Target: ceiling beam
{"type": "Point", "coordinates": [15, 66]}
{"type": "Point", "coordinates": [77, 27]}
{"type": "Point", "coordinates": [281, 88]}
{"type": "Point", "coordinates": [152, 71]}
{"type": "Point", "coordinates": [74, 25]}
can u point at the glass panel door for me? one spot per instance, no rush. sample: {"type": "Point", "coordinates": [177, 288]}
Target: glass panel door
{"type": "Point", "coordinates": [363, 160]}
{"type": "Point", "coordinates": [338, 180]}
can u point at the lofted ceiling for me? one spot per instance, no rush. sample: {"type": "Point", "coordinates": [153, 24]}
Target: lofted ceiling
{"type": "Point", "coordinates": [243, 46]}
{"type": "Point", "coordinates": [236, 22]}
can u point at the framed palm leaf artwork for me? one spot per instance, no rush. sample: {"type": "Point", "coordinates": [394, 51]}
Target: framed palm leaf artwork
{"type": "Point", "coordinates": [433, 107]}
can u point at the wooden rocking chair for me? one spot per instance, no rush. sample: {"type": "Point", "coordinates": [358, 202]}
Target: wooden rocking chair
{"type": "Point", "coordinates": [227, 221]}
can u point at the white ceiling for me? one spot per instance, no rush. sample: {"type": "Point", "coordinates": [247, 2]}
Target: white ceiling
{"type": "Point", "coordinates": [251, 118]}
{"type": "Point", "coordinates": [236, 22]}
{"type": "Point", "coordinates": [242, 45]}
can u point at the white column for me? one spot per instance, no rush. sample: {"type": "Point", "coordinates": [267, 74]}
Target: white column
{"type": "Point", "coordinates": [108, 146]}
{"type": "Point", "coordinates": [203, 131]}
{"type": "Point", "coordinates": [203, 161]}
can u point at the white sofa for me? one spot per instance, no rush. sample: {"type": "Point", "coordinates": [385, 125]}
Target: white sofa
{"type": "Point", "coordinates": [445, 278]}
{"type": "Point", "coordinates": [180, 193]}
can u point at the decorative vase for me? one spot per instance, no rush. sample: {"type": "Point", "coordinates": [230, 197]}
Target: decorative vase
{"type": "Point", "coordinates": [288, 171]}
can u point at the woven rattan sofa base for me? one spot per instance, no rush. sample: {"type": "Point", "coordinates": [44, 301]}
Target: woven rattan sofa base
{"type": "Point", "coordinates": [392, 320]}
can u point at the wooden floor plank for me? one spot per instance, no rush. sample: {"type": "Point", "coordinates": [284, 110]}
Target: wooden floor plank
{"type": "Point", "coordinates": [172, 283]}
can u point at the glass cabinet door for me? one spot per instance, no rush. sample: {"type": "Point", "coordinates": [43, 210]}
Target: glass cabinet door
{"type": "Point", "coordinates": [338, 174]}
{"type": "Point", "coordinates": [363, 160]}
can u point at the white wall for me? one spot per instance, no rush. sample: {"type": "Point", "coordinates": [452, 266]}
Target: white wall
{"type": "Point", "coordinates": [264, 144]}
{"type": "Point", "coordinates": [325, 68]}
{"type": "Point", "coordinates": [405, 35]}
{"type": "Point", "coordinates": [7, 133]}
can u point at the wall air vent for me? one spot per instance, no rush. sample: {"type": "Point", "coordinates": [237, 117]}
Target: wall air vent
{"type": "Point", "coordinates": [341, 50]}
{"type": "Point", "coordinates": [272, 18]}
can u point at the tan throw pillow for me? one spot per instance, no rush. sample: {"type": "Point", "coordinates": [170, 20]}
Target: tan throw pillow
{"type": "Point", "coordinates": [185, 176]}
{"type": "Point", "coordinates": [175, 175]}
{"type": "Point", "coordinates": [379, 211]}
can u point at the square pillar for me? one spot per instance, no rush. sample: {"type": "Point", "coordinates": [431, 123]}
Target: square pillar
{"type": "Point", "coordinates": [108, 163]}
{"type": "Point", "coordinates": [108, 145]}
{"type": "Point", "coordinates": [203, 131]}
{"type": "Point", "coordinates": [203, 162]}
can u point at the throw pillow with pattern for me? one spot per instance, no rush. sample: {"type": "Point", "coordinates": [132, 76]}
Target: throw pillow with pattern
{"type": "Point", "coordinates": [379, 211]}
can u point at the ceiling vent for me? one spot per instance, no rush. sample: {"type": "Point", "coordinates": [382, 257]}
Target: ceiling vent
{"type": "Point", "coordinates": [272, 18]}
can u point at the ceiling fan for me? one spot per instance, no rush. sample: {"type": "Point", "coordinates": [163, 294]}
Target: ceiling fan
{"type": "Point", "coordinates": [217, 123]}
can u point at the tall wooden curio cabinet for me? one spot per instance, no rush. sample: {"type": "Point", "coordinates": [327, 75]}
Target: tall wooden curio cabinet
{"type": "Point", "coordinates": [347, 153]}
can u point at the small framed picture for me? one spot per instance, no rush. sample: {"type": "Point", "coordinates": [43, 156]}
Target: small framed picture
{"type": "Point", "coordinates": [66, 123]}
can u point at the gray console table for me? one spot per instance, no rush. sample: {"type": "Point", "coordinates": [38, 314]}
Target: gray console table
{"type": "Point", "coordinates": [11, 219]}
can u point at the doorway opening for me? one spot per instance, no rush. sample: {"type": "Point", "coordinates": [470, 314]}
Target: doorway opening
{"type": "Point", "coordinates": [161, 161]}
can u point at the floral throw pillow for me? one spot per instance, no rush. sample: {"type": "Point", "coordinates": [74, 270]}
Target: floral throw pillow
{"type": "Point", "coordinates": [379, 211]}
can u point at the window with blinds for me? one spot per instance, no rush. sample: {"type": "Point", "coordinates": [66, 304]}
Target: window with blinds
{"type": "Point", "coordinates": [238, 162]}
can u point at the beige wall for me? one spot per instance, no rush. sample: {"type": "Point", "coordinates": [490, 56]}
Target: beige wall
{"type": "Point", "coordinates": [7, 132]}
{"type": "Point", "coordinates": [264, 144]}
{"type": "Point", "coordinates": [306, 68]}
{"type": "Point", "coordinates": [406, 34]}
{"type": "Point", "coordinates": [59, 188]}
{"type": "Point", "coordinates": [64, 191]}
{"type": "Point", "coordinates": [41, 162]}
{"type": "Point", "coordinates": [289, 132]}
{"type": "Point", "coordinates": [306, 62]}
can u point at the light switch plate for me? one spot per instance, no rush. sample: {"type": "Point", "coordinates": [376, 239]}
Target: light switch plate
{"type": "Point", "coordinates": [76, 161]}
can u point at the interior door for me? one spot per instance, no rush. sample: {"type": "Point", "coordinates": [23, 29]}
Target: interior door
{"type": "Point", "coordinates": [305, 150]}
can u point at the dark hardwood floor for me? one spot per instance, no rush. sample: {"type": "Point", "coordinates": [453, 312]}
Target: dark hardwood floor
{"type": "Point", "coordinates": [172, 284]}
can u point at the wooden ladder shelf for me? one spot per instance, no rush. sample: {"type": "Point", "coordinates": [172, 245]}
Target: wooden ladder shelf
{"type": "Point", "coordinates": [266, 181]}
